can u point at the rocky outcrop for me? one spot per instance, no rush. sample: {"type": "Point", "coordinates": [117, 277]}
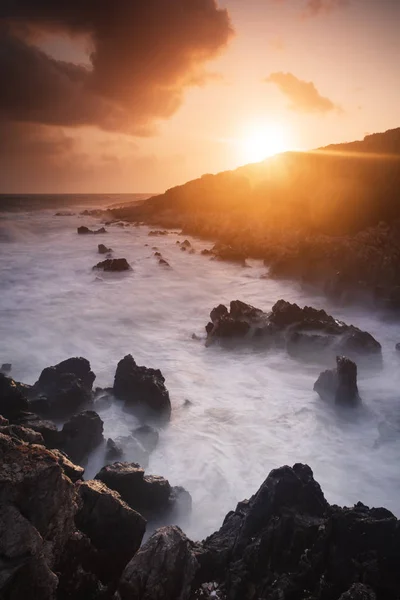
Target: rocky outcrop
{"type": "Point", "coordinates": [116, 265]}
{"type": "Point", "coordinates": [12, 399]}
{"type": "Point", "coordinates": [115, 530]}
{"type": "Point", "coordinates": [163, 569]}
{"type": "Point", "coordinates": [22, 434]}
{"type": "Point", "coordinates": [102, 249]}
{"type": "Point", "coordinates": [157, 232]}
{"type": "Point", "coordinates": [85, 230]}
{"type": "Point", "coordinates": [142, 388]}
{"type": "Point", "coordinates": [62, 389]}
{"type": "Point", "coordinates": [71, 470]}
{"type": "Point", "coordinates": [339, 384]}
{"type": "Point", "coordinates": [82, 434]}
{"type": "Point", "coordinates": [163, 262]}
{"type": "Point", "coordinates": [113, 451]}
{"type": "Point", "coordinates": [150, 495]}
{"type": "Point", "coordinates": [47, 429]}
{"type": "Point", "coordinates": [303, 331]}
{"type": "Point", "coordinates": [228, 253]}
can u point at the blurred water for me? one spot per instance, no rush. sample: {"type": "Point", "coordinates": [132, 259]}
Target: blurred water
{"type": "Point", "coordinates": [250, 411]}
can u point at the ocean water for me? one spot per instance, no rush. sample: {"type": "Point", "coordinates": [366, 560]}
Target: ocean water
{"type": "Point", "coordinates": [250, 410]}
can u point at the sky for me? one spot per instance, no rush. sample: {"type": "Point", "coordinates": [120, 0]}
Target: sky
{"type": "Point", "coordinates": [141, 95]}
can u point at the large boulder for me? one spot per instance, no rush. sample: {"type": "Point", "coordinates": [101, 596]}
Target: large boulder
{"type": "Point", "coordinates": [71, 470]}
{"type": "Point", "coordinates": [163, 569]}
{"type": "Point", "coordinates": [22, 434]}
{"type": "Point", "coordinates": [339, 384]}
{"type": "Point", "coordinates": [102, 249]}
{"type": "Point", "coordinates": [82, 434]}
{"type": "Point", "coordinates": [142, 388]}
{"type": "Point", "coordinates": [113, 265]}
{"type": "Point", "coordinates": [150, 495]}
{"type": "Point", "coordinates": [37, 506]}
{"type": "Point", "coordinates": [64, 388]}
{"type": "Point", "coordinates": [113, 527]}
{"type": "Point", "coordinates": [12, 399]}
{"type": "Point", "coordinates": [300, 330]}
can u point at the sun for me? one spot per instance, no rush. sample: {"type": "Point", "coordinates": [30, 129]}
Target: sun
{"type": "Point", "coordinates": [259, 142]}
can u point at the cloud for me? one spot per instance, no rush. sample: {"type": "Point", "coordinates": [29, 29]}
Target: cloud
{"type": "Point", "coordinates": [303, 95]}
{"type": "Point", "coordinates": [144, 54]}
{"type": "Point", "coordinates": [315, 7]}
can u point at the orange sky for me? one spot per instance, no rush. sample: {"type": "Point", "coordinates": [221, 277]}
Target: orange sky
{"type": "Point", "coordinates": [325, 70]}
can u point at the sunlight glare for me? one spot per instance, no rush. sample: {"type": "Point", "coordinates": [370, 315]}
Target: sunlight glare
{"type": "Point", "coordinates": [261, 142]}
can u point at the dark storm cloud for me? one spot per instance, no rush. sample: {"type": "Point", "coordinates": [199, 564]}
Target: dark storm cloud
{"type": "Point", "coordinates": [144, 55]}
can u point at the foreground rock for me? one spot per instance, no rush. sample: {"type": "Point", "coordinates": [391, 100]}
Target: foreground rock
{"type": "Point", "coordinates": [47, 429]}
{"type": "Point", "coordinates": [82, 434]}
{"type": "Point", "coordinates": [12, 399]}
{"type": "Point", "coordinates": [102, 249]}
{"type": "Point", "coordinates": [163, 569]}
{"type": "Point", "coordinates": [62, 389]}
{"type": "Point", "coordinates": [300, 330]}
{"type": "Point", "coordinates": [113, 527]}
{"type": "Point", "coordinates": [150, 495]}
{"type": "Point", "coordinates": [339, 384]}
{"type": "Point", "coordinates": [113, 264]}
{"type": "Point", "coordinates": [85, 230]}
{"type": "Point", "coordinates": [142, 388]}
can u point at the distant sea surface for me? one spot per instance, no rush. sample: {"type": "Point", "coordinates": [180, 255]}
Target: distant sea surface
{"type": "Point", "coordinates": [28, 202]}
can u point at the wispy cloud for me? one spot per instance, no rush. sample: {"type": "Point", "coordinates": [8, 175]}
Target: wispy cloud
{"type": "Point", "coordinates": [303, 95]}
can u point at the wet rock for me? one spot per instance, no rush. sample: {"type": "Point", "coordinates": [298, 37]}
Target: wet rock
{"type": "Point", "coordinates": [163, 262]}
{"type": "Point", "coordinates": [62, 389]}
{"type": "Point", "coordinates": [157, 254]}
{"type": "Point", "coordinates": [157, 232]}
{"type": "Point", "coordinates": [12, 399]}
{"type": "Point", "coordinates": [36, 519]}
{"type": "Point", "coordinates": [102, 249]}
{"type": "Point", "coordinates": [71, 470]}
{"type": "Point", "coordinates": [5, 368]}
{"type": "Point", "coordinates": [114, 265]}
{"type": "Point", "coordinates": [147, 436]}
{"type": "Point", "coordinates": [150, 495]}
{"type": "Point", "coordinates": [339, 384]}
{"type": "Point", "coordinates": [218, 312]}
{"type": "Point", "coordinates": [163, 569]}
{"type": "Point", "coordinates": [22, 434]}
{"type": "Point", "coordinates": [186, 244]}
{"type": "Point", "coordinates": [113, 451]}
{"type": "Point", "coordinates": [85, 230]}
{"type": "Point", "coordinates": [82, 434]}
{"type": "Point", "coordinates": [142, 387]}
{"type": "Point", "coordinates": [113, 527]}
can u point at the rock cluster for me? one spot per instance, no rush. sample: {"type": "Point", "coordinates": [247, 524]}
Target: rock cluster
{"type": "Point", "coordinates": [113, 264]}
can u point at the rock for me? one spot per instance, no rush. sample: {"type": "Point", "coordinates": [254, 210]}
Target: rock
{"type": "Point", "coordinates": [102, 249]}
{"type": "Point", "coordinates": [48, 429]}
{"type": "Point", "coordinates": [113, 451]}
{"type": "Point", "coordinates": [71, 470]}
{"type": "Point", "coordinates": [113, 527]}
{"type": "Point", "coordinates": [22, 434]}
{"type": "Point", "coordinates": [61, 390]}
{"type": "Point", "coordinates": [3, 421]}
{"type": "Point", "coordinates": [150, 495]}
{"type": "Point", "coordinates": [147, 436]}
{"type": "Point", "coordinates": [218, 312]}
{"type": "Point", "coordinates": [114, 264]}
{"type": "Point", "coordinates": [206, 252]}
{"type": "Point", "coordinates": [163, 262]}
{"type": "Point", "coordinates": [64, 213]}
{"type": "Point", "coordinates": [359, 591]}
{"type": "Point", "coordinates": [157, 254]}
{"type": "Point", "coordinates": [142, 387]}
{"type": "Point", "coordinates": [82, 434]}
{"type": "Point", "coordinates": [12, 399]}
{"type": "Point", "coordinates": [339, 383]}
{"type": "Point", "coordinates": [6, 368]}
{"type": "Point", "coordinates": [157, 232]}
{"type": "Point", "coordinates": [37, 509]}
{"type": "Point", "coordinates": [228, 253]}
{"type": "Point", "coordinates": [186, 244]}
{"type": "Point", "coordinates": [85, 230]}
{"type": "Point", "coordinates": [163, 569]}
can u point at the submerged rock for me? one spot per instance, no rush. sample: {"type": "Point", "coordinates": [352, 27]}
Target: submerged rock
{"type": "Point", "coordinates": [142, 387]}
{"type": "Point", "coordinates": [82, 434]}
{"type": "Point", "coordinates": [102, 249]}
{"type": "Point", "coordinates": [339, 384]}
{"type": "Point", "coordinates": [163, 262]}
{"type": "Point", "coordinates": [114, 264]}
{"type": "Point", "coordinates": [300, 330]}
{"type": "Point", "coordinates": [85, 230]}
{"type": "Point", "coordinates": [157, 232]}
{"type": "Point", "coordinates": [150, 495]}
{"type": "Point", "coordinates": [147, 436]}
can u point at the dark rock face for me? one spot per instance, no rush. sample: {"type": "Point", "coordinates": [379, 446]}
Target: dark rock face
{"type": "Point", "coordinates": [114, 264]}
{"type": "Point", "coordinates": [12, 399]}
{"type": "Point", "coordinates": [22, 434]}
{"type": "Point", "coordinates": [61, 390]}
{"type": "Point", "coordinates": [113, 527]}
{"type": "Point", "coordinates": [113, 451]}
{"type": "Point", "coordinates": [300, 330]}
{"type": "Point", "coordinates": [36, 519]}
{"type": "Point", "coordinates": [82, 434]}
{"type": "Point", "coordinates": [339, 383]}
{"type": "Point", "coordinates": [157, 254]}
{"type": "Point", "coordinates": [163, 262]}
{"type": "Point", "coordinates": [102, 249]}
{"type": "Point", "coordinates": [71, 470]}
{"type": "Point", "coordinates": [358, 591]}
{"type": "Point", "coordinates": [150, 495]}
{"type": "Point", "coordinates": [142, 387]}
{"type": "Point", "coordinates": [186, 244]}
{"type": "Point", "coordinates": [228, 253]}
{"type": "Point", "coordinates": [85, 230]}
{"type": "Point", "coordinates": [157, 232]}
{"type": "Point", "coordinates": [48, 429]}
{"type": "Point", "coordinates": [163, 569]}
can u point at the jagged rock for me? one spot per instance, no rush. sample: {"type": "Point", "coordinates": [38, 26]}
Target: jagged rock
{"type": "Point", "coordinates": [37, 509]}
{"type": "Point", "coordinates": [114, 264]}
{"type": "Point", "coordinates": [113, 451]}
{"type": "Point", "coordinates": [12, 399]}
{"type": "Point", "coordinates": [82, 434]}
{"type": "Point", "coordinates": [163, 262]}
{"type": "Point", "coordinates": [150, 495]}
{"type": "Point", "coordinates": [157, 232]}
{"type": "Point", "coordinates": [142, 387]}
{"type": "Point", "coordinates": [339, 384]}
{"type": "Point", "coordinates": [113, 527]}
{"type": "Point", "coordinates": [147, 436]}
{"type": "Point", "coordinates": [71, 470]}
{"type": "Point", "coordinates": [22, 434]}
{"type": "Point", "coordinates": [163, 569]}
{"type": "Point", "coordinates": [186, 244]}
{"type": "Point", "coordinates": [85, 230]}
{"type": "Point", "coordinates": [48, 429]}
{"type": "Point", "coordinates": [6, 368]}
{"type": "Point", "coordinates": [228, 253]}
{"type": "Point", "coordinates": [300, 330]}
{"type": "Point", "coordinates": [3, 421]}
{"type": "Point", "coordinates": [157, 254]}
{"type": "Point", "coordinates": [62, 389]}
{"type": "Point", "coordinates": [102, 249]}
